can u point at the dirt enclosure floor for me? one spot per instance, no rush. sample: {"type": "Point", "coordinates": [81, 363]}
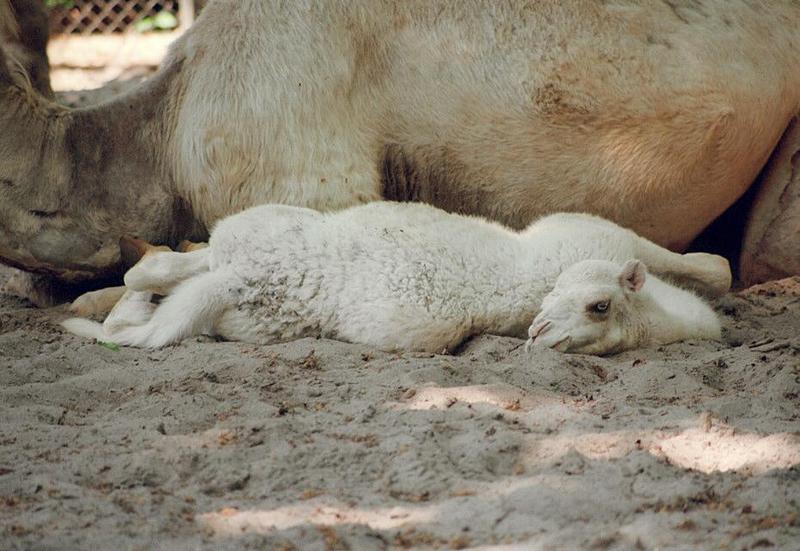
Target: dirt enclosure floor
{"type": "Point", "coordinates": [318, 444]}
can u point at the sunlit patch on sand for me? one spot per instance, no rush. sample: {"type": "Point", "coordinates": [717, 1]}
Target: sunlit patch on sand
{"type": "Point", "coordinates": [711, 448]}
{"type": "Point", "coordinates": [704, 445]}
{"type": "Point", "coordinates": [230, 521]}
{"type": "Point", "coordinates": [501, 395]}
{"type": "Point", "coordinates": [725, 450]}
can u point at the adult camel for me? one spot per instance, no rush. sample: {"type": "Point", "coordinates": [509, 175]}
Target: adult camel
{"type": "Point", "coordinates": [657, 116]}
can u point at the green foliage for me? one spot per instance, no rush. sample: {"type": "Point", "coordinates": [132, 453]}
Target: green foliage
{"type": "Point", "coordinates": [162, 21]}
{"type": "Point", "coordinates": [110, 345]}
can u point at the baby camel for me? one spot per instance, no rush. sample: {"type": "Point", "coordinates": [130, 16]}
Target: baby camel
{"type": "Point", "coordinates": [412, 277]}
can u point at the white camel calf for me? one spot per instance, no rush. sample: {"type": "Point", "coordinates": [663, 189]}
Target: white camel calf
{"type": "Point", "coordinates": [412, 277]}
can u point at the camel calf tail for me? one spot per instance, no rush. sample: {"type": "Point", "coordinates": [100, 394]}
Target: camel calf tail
{"type": "Point", "coordinates": [85, 328]}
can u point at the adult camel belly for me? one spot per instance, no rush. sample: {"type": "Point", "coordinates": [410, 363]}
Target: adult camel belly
{"type": "Point", "coordinates": [657, 117]}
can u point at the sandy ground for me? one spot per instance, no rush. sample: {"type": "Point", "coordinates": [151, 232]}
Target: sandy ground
{"type": "Point", "coordinates": [318, 444]}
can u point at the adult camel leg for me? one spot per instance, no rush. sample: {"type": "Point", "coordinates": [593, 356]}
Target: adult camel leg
{"type": "Point", "coordinates": [771, 247]}
{"type": "Point", "coordinates": [42, 290]}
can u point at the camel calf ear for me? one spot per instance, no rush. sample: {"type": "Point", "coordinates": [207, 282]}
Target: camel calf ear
{"type": "Point", "coordinates": [633, 275]}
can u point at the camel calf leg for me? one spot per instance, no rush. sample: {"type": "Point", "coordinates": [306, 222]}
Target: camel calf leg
{"type": "Point", "coordinates": [709, 274]}
{"type": "Point", "coordinates": [100, 303]}
{"type": "Point", "coordinates": [194, 308]}
{"type": "Point", "coordinates": [156, 271]}
{"type": "Point", "coordinates": [133, 308]}
{"type": "Point", "coordinates": [163, 271]}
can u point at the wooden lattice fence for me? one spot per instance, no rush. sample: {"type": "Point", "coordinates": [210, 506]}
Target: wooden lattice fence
{"type": "Point", "coordinates": [114, 16]}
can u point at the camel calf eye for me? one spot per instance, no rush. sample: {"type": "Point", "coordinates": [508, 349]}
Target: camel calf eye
{"type": "Point", "coordinates": [6, 182]}
{"type": "Point", "coordinates": [600, 307]}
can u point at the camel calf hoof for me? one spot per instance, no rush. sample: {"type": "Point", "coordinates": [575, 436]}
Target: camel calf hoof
{"type": "Point", "coordinates": [96, 303]}
{"type": "Point", "coordinates": [713, 277]}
